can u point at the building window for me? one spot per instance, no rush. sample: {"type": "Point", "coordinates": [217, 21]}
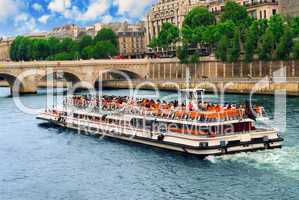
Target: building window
{"type": "Point", "coordinates": [274, 11]}
{"type": "Point", "coordinates": [254, 14]}
{"type": "Point", "coordinates": [265, 14]}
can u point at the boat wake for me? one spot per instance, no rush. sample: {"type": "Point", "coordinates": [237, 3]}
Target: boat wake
{"type": "Point", "coordinates": [284, 161]}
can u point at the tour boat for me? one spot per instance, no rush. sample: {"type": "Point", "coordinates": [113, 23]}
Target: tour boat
{"type": "Point", "coordinates": [193, 127]}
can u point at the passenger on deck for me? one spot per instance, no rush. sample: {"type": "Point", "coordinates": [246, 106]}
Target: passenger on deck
{"type": "Point", "coordinates": [190, 106]}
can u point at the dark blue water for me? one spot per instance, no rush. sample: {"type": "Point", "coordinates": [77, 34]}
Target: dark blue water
{"type": "Point", "coordinates": [40, 162]}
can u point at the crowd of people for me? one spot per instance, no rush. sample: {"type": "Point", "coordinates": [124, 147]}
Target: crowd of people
{"type": "Point", "coordinates": [173, 109]}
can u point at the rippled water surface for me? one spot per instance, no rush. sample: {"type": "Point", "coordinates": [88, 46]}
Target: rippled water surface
{"type": "Point", "coordinates": [39, 162]}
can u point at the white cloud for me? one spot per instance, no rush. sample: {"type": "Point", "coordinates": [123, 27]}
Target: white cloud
{"type": "Point", "coordinates": [133, 8]}
{"type": "Point", "coordinates": [96, 9]}
{"type": "Point", "coordinates": [99, 9]}
{"type": "Point", "coordinates": [25, 23]}
{"type": "Point", "coordinates": [107, 19]}
{"type": "Point", "coordinates": [44, 19]}
{"type": "Point", "coordinates": [59, 6]}
{"type": "Point", "coordinates": [8, 8]}
{"type": "Point", "coordinates": [37, 7]}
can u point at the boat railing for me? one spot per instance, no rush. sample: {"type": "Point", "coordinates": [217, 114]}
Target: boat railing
{"type": "Point", "coordinates": [222, 115]}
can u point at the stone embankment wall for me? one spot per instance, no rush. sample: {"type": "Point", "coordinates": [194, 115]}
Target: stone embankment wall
{"type": "Point", "coordinates": [216, 70]}
{"type": "Point", "coordinates": [258, 77]}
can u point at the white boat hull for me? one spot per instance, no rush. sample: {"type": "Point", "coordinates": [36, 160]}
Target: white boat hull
{"type": "Point", "coordinates": [179, 143]}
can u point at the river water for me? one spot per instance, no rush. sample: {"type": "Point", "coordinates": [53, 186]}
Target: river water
{"type": "Point", "coordinates": [40, 162]}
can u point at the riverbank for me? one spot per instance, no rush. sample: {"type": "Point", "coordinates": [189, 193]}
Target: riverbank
{"type": "Point", "coordinates": [231, 87]}
{"type": "Point", "coordinates": [42, 84]}
{"type": "Point", "coordinates": [4, 84]}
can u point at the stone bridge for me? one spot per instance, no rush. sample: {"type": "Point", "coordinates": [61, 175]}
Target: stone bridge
{"type": "Point", "coordinates": [86, 74]}
{"type": "Point", "coordinates": [28, 75]}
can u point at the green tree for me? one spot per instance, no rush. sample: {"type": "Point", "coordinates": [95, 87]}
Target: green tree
{"type": "Point", "coordinates": [187, 34]}
{"type": "Point", "coordinates": [104, 50]}
{"type": "Point", "coordinates": [85, 41]}
{"type": "Point", "coordinates": [195, 24]}
{"type": "Point", "coordinates": [285, 45]}
{"type": "Point", "coordinates": [266, 45]}
{"type": "Point", "coordinates": [41, 49]}
{"type": "Point", "coordinates": [225, 28]}
{"type": "Point", "coordinates": [64, 56]}
{"type": "Point", "coordinates": [88, 52]}
{"type": "Point", "coordinates": [106, 34]}
{"type": "Point", "coordinates": [154, 43]}
{"type": "Point", "coordinates": [69, 45]}
{"type": "Point", "coordinates": [251, 39]}
{"type": "Point", "coordinates": [296, 50]}
{"type": "Point", "coordinates": [199, 16]}
{"type": "Point", "coordinates": [14, 49]}
{"type": "Point", "coordinates": [168, 35]}
{"type": "Point", "coordinates": [276, 26]}
{"type": "Point", "coordinates": [222, 48]}
{"type": "Point", "coordinates": [234, 12]}
{"type": "Point", "coordinates": [249, 46]}
{"type": "Point", "coordinates": [182, 54]}
{"type": "Point", "coordinates": [208, 36]}
{"type": "Point", "coordinates": [295, 26]}
{"type": "Point", "coordinates": [234, 50]}
{"type": "Point", "coordinates": [25, 49]}
{"type": "Point", "coordinates": [54, 45]}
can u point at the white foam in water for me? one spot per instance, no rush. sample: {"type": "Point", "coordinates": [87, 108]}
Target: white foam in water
{"type": "Point", "coordinates": [211, 159]}
{"type": "Point", "coordinates": [284, 161]}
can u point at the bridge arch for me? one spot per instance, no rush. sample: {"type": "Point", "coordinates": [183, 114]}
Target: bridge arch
{"type": "Point", "coordinates": [61, 75]}
{"type": "Point", "coordinates": [120, 74]}
{"type": "Point", "coordinates": [117, 75]}
{"type": "Point", "coordinates": [11, 80]}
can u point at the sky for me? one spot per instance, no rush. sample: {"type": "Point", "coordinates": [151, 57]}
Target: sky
{"type": "Point", "coordinates": [19, 17]}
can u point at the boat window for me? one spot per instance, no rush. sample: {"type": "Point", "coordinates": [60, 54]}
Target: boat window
{"type": "Point", "coordinates": [234, 142]}
{"type": "Point", "coordinates": [203, 144]}
{"type": "Point", "coordinates": [137, 122]}
{"type": "Point", "coordinates": [163, 127]}
{"type": "Point", "coordinates": [257, 140]}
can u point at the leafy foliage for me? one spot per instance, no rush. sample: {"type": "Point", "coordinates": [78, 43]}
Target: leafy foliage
{"type": "Point", "coordinates": [294, 24]}
{"type": "Point", "coordinates": [104, 50]}
{"type": "Point", "coordinates": [296, 50]}
{"type": "Point", "coordinates": [85, 41]}
{"type": "Point", "coordinates": [106, 34]}
{"type": "Point", "coordinates": [235, 13]}
{"type": "Point", "coordinates": [285, 45]}
{"type": "Point", "coordinates": [250, 45]}
{"type": "Point", "coordinates": [185, 57]}
{"type": "Point", "coordinates": [237, 34]}
{"type": "Point", "coordinates": [26, 48]}
{"type": "Point", "coordinates": [266, 45]}
{"type": "Point", "coordinates": [169, 34]}
{"type": "Point", "coordinates": [234, 50]}
{"type": "Point", "coordinates": [197, 17]}
{"type": "Point", "coordinates": [222, 48]}
{"type": "Point", "coordinates": [88, 52]}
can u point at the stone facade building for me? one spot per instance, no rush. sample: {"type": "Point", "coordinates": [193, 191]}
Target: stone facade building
{"type": "Point", "coordinates": [289, 7]}
{"type": "Point", "coordinates": [174, 11]}
{"type": "Point", "coordinates": [6, 43]}
{"type": "Point", "coordinates": [4, 49]}
{"type": "Point", "coordinates": [257, 9]}
{"type": "Point", "coordinates": [70, 30]}
{"type": "Point", "coordinates": [131, 41]}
